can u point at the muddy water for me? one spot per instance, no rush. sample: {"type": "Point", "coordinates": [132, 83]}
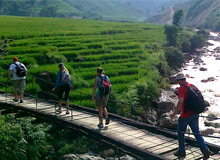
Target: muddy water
{"type": "Point", "coordinates": [210, 90]}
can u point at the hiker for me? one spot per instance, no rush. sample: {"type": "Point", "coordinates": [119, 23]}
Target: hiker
{"type": "Point", "coordinates": [19, 78]}
{"type": "Point", "coordinates": [63, 84]}
{"type": "Point", "coordinates": [187, 117]}
{"type": "Point", "coordinates": [100, 97]}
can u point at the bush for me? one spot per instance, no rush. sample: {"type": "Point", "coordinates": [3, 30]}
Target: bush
{"type": "Point", "coordinates": [174, 57]}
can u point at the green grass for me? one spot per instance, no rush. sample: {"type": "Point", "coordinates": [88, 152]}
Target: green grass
{"type": "Point", "coordinates": [124, 50]}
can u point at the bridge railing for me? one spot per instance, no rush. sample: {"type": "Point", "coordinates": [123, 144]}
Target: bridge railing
{"type": "Point", "coordinates": [120, 103]}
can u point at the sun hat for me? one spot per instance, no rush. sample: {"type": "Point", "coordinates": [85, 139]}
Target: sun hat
{"type": "Point", "coordinates": [60, 65]}
{"type": "Point", "coordinates": [15, 59]}
{"type": "Point", "coordinates": [180, 76]}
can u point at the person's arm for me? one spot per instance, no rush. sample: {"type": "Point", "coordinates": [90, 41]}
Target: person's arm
{"type": "Point", "coordinates": [57, 81]}
{"type": "Point", "coordinates": [178, 107]}
{"type": "Point", "coordinates": [9, 75]}
{"type": "Point", "coordinates": [94, 88]}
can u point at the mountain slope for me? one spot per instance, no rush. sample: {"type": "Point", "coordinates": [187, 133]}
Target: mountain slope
{"type": "Point", "coordinates": [197, 13]}
{"type": "Point", "coordinates": [116, 10]}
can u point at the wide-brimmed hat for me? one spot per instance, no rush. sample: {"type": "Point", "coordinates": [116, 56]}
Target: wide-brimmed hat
{"type": "Point", "coordinates": [180, 76]}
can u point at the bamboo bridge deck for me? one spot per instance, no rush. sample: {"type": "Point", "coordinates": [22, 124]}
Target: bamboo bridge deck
{"type": "Point", "coordinates": [142, 143]}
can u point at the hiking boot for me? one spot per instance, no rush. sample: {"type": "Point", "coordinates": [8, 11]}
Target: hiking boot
{"type": "Point", "coordinates": [107, 121]}
{"type": "Point", "coordinates": [207, 154]}
{"type": "Point", "coordinates": [21, 101]}
{"type": "Point", "coordinates": [15, 100]}
{"type": "Point", "coordinates": [59, 110]}
{"type": "Point", "coordinates": [100, 126]}
{"type": "Point", "coordinates": [180, 153]}
{"type": "Point", "coordinates": [67, 112]}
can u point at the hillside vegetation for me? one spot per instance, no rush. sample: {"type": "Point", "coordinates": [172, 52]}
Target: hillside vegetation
{"type": "Point", "coordinates": [116, 10]}
{"type": "Point", "coordinates": [131, 54]}
{"type": "Point", "coordinates": [198, 13]}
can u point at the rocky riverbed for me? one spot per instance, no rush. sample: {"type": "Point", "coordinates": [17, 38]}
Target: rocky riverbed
{"type": "Point", "coordinates": [204, 72]}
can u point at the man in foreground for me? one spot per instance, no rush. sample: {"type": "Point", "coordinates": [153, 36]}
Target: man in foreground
{"type": "Point", "coordinates": [187, 117]}
{"type": "Point", "coordinates": [19, 78]}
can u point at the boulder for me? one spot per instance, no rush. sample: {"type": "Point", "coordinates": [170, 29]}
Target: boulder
{"type": "Point", "coordinates": [167, 122]}
{"type": "Point", "coordinates": [197, 60]}
{"type": "Point", "coordinates": [149, 116]}
{"type": "Point", "coordinates": [107, 153]}
{"type": "Point", "coordinates": [208, 131]}
{"type": "Point", "coordinates": [87, 156]}
{"type": "Point", "coordinates": [80, 59]}
{"type": "Point", "coordinates": [215, 123]}
{"type": "Point", "coordinates": [167, 102]}
{"type": "Point", "coordinates": [210, 79]}
{"type": "Point", "coordinates": [217, 58]}
{"type": "Point", "coordinates": [203, 69]}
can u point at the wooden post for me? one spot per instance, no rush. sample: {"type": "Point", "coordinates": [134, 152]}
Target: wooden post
{"type": "Point", "coordinates": [36, 102]}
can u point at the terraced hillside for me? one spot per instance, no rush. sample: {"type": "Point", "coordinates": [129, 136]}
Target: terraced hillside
{"type": "Point", "coordinates": [129, 53]}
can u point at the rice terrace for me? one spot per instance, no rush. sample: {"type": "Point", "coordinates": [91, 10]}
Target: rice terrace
{"type": "Point", "coordinates": [127, 51]}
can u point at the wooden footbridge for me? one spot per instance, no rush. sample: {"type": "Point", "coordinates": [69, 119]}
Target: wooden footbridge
{"type": "Point", "coordinates": [134, 138]}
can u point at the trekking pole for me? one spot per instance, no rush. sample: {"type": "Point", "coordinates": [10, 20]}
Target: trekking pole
{"type": "Point", "coordinates": [71, 114]}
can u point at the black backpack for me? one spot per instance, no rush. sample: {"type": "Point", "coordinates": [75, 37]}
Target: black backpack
{"type": "Point", "coordinates": [195, 101]}
{"type": "Point", "coordinates": [105, 87]}
{"type": "Point", "coordinates": [20, 70]}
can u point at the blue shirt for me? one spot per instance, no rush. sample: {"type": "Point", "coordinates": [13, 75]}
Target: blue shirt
{"type": "Point", "coordinates": [99, 84]}
{"type": "Point", "coordinates": [59, 82]}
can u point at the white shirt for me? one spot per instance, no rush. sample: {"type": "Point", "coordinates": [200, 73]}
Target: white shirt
{"type": "Point", "coordinates": [13, 69]}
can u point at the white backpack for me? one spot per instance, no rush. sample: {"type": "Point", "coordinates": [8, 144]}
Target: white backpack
{"type": "Point", "coordinates": [66, 78]}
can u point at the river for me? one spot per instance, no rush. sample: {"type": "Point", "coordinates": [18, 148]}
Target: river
{"type": "Point", "coordinates": [210, 90]}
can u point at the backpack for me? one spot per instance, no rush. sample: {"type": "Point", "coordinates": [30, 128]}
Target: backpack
{"type": "Point", "coordinates": [195, 101]}
{"type": "Point", "coordinates": [65, 77]}
{"type": "Point", "coordinates": [105, 87]}
{"type": "Point", "coordinates": [20, 70]}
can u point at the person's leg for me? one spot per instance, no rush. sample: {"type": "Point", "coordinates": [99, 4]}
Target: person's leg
{"type": "Point", "coordinates": [182, 125]}
{"type": "Point", "coordinates": [194, 125]}
{"type": "Point", "coordinates": [60, 95]}
{"type": "Point", "coordinates": [15, 85]}
{"type": "Point", "coordinates": [67, 92]}
{"type": "Point", "coordinates": [100, 108]}
{"type": "Point", "coordinates": [22, 85]}
{"type": "Point", "coordinates": [101, 115]}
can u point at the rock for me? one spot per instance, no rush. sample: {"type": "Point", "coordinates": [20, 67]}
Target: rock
{"type": "Point", "coordinates": [149, 116]}
{"type": "Point", "coordinates": [188, 76]}
{"type": "Point", "coordinates": [107, 153]}
{"type": "Point", "coordinates": [167, 102]}
{"type": "Point", "coordinates": [204, 64]}
{"type": "Point", "coordinates": [208, 131]}
{"type": "Point", "coordinates": [215, 123]}
{"type": "Point", "coordinates": [217, 58]}
{"type": "Point", "coordinates": [203, 69]}
{"type": "Point", "coordinates": [80, 59]}
{"type": "Point", "coordinates": [126, 157]}
{"type": "Point", "coordinates": [69, 157]}
{"type": "Point", "coordinates": [167, 122]}
{"type": "Point", "coordinates": [210, 79]}
{"type": "Point", "coordinates": [212, 117]}
{"type": "Point", "coordinates": [197, 60]}
{"type": "Point", "coordinates": [194, 67]}
{"type": "Point", "coordinates": [87, 156]}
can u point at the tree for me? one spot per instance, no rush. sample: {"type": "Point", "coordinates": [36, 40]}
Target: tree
{"type": "Point", "coordinates": [177, 17]}
{"type": "Point", "coordinates": [171, 34]}
{"type": "Point", "coordinates": [48, 12]}
{"type": "Point", "coordinates": [197, 41]}
{"type": "Point", "coordinates": [174, 57]}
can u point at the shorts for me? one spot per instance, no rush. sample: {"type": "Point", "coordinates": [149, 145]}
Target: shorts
{"type": "Point", "coordinates": [19, 84]}
{"type": "Point", "coordinates": [61, 90]}
{"type": "Point", "coordinates": [100, 102]}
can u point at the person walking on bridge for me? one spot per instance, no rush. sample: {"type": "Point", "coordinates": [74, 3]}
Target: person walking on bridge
{"type": "Point", "coordinates": [63, 84]}
{"type": "Point", "coordinates": [187, 117]}
{"type": "Point", "coordinates": [100, 97]}
{"type": "Point", "coordinates": [19, 78]}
